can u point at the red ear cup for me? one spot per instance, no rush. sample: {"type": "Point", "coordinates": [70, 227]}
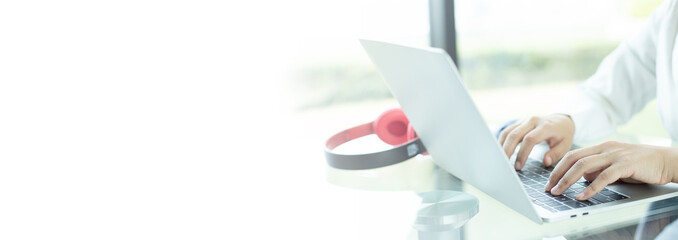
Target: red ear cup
{"type": "Point", "coordinates": [391, 127]}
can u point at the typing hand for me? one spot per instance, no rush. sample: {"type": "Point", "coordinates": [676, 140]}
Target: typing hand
{"type": "Point", "coordinates": [556, 129]}
{"type": "Point", "coordinates": [611, 161]}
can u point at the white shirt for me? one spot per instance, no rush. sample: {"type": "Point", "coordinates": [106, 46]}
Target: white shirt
{"type": "Point", "coordinates": [641, 69]}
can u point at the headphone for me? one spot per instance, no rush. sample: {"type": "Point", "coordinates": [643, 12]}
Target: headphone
{"type": "Point", "coordinates": [392, 127]}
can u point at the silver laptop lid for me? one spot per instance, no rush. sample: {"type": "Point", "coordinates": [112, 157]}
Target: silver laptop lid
{"type": "Point", "coordinates": [428, 87]}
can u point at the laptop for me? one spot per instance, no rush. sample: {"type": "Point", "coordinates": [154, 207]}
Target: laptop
{"type": "Point", "coordinates": [430, 91]}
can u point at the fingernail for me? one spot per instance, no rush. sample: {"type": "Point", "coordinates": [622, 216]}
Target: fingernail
{"type": "Point", "coordinates": [548, 186]}
{"type": "Point", "coordinates": [517, 165]}
{"type": "Point", "coordinates": [555, 189]}
{"type": "Point", "coordinates": [547, 161]}
{"type": "Point", "coordinates": [580, 196]}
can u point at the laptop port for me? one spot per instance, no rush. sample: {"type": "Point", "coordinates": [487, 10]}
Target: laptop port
{"type": "Point", "coordinates": [573, 216]}
{"type": "Point", "coordinates": [584, 214]}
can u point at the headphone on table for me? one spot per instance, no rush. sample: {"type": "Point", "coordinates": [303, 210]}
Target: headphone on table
{"type": "Point", "coordinates": [392, 127]}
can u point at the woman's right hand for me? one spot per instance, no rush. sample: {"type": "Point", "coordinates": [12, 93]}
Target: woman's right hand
{"type": "Point", "coordinates": [556, 129]}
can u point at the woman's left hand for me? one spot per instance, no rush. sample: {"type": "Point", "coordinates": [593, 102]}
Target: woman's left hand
{"type": "Point", "coordinates": [608, 162]}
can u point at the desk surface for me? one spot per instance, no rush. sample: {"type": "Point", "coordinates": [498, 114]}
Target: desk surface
{"type": "Point", "coordinates": [397, 187]}
{"type": "Point", "coordinates": [494, 220]}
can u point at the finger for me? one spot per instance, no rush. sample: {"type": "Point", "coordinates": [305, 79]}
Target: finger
{"type": "Point", "coordinates": [506, 131]}
{"type": "Point", "coordinates": [532, 138]}
{"type": "Point", "coordinates": [591, 176]}
{"type": "Point", "coordinates": [630, 180]}
{"type": "Point", "coordinates": [555, 153]}
{"type": "Point", "coordinates": [568, 160]}
{"type": "Point", "coordinates": [515, 136]}
{"type": "Point", "coordinates": [585, 165]}
{"type": "Point", "coordinates": [606, 177]}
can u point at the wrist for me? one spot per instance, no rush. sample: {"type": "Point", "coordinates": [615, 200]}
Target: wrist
{"type": "Point", "coordinates": [568, 119]}
{"type": "Point", "coordinates": [671, 159]}
{"type": "Point", "coordinates": [566, 123]}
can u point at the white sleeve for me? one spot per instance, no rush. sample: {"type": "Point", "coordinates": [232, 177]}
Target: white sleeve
{"type": "Point", "coordinates": [623, 84]}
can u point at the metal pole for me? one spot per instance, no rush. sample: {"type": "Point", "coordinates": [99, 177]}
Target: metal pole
{"type": "Point", "coordinates": [443, 30]}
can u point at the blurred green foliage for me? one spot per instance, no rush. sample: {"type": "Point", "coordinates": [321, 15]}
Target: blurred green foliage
{"type": "Point", "coordinates": [640, 9]}
{"type": "Point", "coordinates": [502, 68]}
{"type": "Point", "coordinates": [326, 83]}
{"type": "Point", "coordinates": [482, 66]}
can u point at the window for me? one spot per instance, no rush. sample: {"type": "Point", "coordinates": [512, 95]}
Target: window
{"type": "Point", "coordinates": [515, 52]}
{"type": "Point", "coordinates": [528, 42]}
{"type": "Point", "coordinates": [510, 52]}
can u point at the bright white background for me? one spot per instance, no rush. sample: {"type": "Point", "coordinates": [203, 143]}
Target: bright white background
{"type": "Point", "coordinates": [172, 120]}
{"type": "Point", "coordinates": [146, 119]}
{"type": "Point", "coordinates": [175, 119]}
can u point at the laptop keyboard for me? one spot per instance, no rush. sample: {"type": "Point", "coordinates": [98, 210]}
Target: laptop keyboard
{"type": "Point", "coordinates": [534, 177]}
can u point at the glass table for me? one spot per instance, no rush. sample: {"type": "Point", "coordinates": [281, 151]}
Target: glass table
{"type": "Point", "coordinates": [388, 195]}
